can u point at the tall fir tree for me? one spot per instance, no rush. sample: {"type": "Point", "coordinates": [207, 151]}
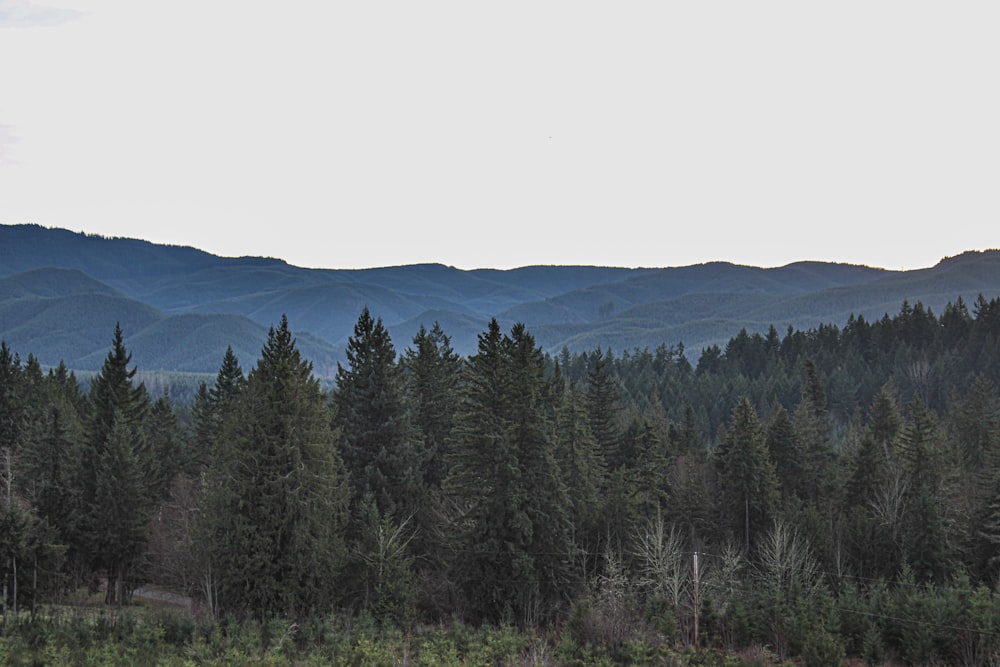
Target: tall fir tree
{"type": "Point", "coordinates": [275, 514]}
{"type": "Point", "coordinates": [987, 544]}
{"type": "Point", "coordinates": [924, 462]}
{"type": "Point", "coordinates": [115, 474]}
{"type": "Point", "coordinates": [583, 467]}
{"type": "Point", "coordinates": [516, 540]}
{"type": "Point", "coordinates": [649, 469]}
{"type": "Point", "coordinates": [975, 422]}
{"type": "Point", "coordinates": [212, 405]}
{"type": "Point", "coordinates": [114, 395]}
{"type": "Point", "coordinates": [812, 427]}
{"type": "Point", "coordinates": [215, 411]}
{"type": "Point", "coordinates": [169, 452]}
{"type": "Point", "coordinates": [870, 547]}
{"type": "Point", "coordinates": [12, 412]}
{"type": "Point", "coordinates": [547, 502]}
{"type": "Point", "coordinates": [432, 371]}
{"type": "Point", "coordinates": [885, 420]}
{"type": "Point", "coordinates": [381, 448]}
{"type": "Point", "coordinates": [685, 436]}
{"type": "Point", "coordinates": [51, 463]}
{"type": "Point", "coordinates": [604, 408]}
{"type": "Point", "coordinates": [784, 447]}
{"type": "Point", "coordinates": [385, 462]}
{"type": "Point", "coordinates": [122, 505]}
{"type": "Point", "coordinates": [748, 486]}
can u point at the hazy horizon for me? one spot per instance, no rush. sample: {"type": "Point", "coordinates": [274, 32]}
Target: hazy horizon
{"type": "Point", "coordinates": [381, 134]}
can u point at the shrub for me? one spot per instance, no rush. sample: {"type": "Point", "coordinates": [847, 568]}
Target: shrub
{"type": "Point", "coordinates": [821, 649]}
{"type": "Point", "coordinates": [872, 646]}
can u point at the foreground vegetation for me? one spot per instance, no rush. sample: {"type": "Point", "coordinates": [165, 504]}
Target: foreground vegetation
{"type": "Point", "coordinates": [805, 498]}
{"type": "Point", "coordinates": [948, 625]}
{"type": "Point", "coordinates": [139, 637]}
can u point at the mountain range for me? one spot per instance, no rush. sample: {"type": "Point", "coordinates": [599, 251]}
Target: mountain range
{"type": "Point", "coordinates": [62, 292]}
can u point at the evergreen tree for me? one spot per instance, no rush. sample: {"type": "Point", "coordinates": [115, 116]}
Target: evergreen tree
{"type": "Point", "coordinates": [213, 405]}
{"type": "Point", "coordinates": [974, 434]}
{"type": "Point", "coordinates": [686, 436]}
{"type": "Point", "coordinates": [12, 416]}
{"type": "Point", "coordinates": [384, 459]}
{"type": "Point", "coordinates": [546, 499]}
{"type": "Point", "coordinates": [229, 382]}
{"type": "Point", "coordinates": [748, 486]}
{"type": "Point", "coordinates": [988, 544]}
{"type": "Point", "coordinates": [878, 490]}
{"type": "Point", "coordinates": [388, 568]}
{"type": "Point", "coordinates": [484, 472]}
{"type": "Point", "coordinates": [51, 461]}
{"type": "Point", "coordinates": [813, 394]}
{"type": "Point", "coordinates": [215, 411]}
{"type": "Point", "coordinates": [975, 421]}
{"type": "Point", "coordinates": [516, 532]}
{"type": "Point", "coordinates": [14, 519]}
{"type": "Point", "coordinates": [649, 470]}
{"type": "Point", "coordinates": [121, 507]}
{"type": "Point", "coordinates": [63, 381]}
{"type": "Point", "coordinates": [275, 513]}
{"type": "Point", "coordinates": [116, 481]}
{"type": "Point", "coordinates": [923, 463]}
{"type": "Point", "coordinates": [166, 446]}
{"type": "Point", "coordinates": [113, 395]}
{"type": "Point", "coordinates": [812, 428]}
{"type": "Point", "coordinates": [603, 406]}
{"type": "Point", "coordinates": [381, 448]}
{"type": "Point", "coordinates": [26, 539]}
{"type": "Point", "coordinates": [432, 369]}
{"type": "Point", "coordinates": [885, 420]}
{"type": "Point", "coordinates": [203, 428]}
{"type": "Point", "coordinates": [15, 528]}
{"type": "Point", "coordinates": [874, 508]}
{"type": "Point", "coordinates": [786, 452]}
{"type": "Point", "coordinates": [583, 467]}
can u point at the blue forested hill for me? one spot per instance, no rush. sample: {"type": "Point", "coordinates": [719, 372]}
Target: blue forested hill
{"type": "Point", "coordinates": [61, 293]}
{"type": "Point", "coordinates": [63, 315]}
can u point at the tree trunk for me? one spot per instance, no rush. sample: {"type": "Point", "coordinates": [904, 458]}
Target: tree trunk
{"type": "Point", "coordinates": [209, 589]}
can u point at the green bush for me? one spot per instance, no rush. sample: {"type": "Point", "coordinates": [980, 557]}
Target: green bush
{"type": "Point", "coordinates": [498, 646]}
{"type": "Point", "coordinates": [872, 646]}
{"type": "Point", "coordinates": [634, 652]}
{"type": "Point", "coordinates": [821, 649]}
{"type": "Point", "coordinates": [178, 627]}
{"type": "Point", "coordinates": [438, 650]}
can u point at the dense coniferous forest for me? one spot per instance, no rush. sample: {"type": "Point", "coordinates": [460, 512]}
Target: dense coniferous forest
{"type": "Point", "coordinates": [806, 496]}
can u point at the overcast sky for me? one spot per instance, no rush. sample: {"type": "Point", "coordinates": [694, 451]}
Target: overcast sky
{"type": "Point", "coordinates": [502, 134]}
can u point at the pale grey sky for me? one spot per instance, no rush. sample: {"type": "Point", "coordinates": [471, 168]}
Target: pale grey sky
{"type": "Point", "coordinates": [502, 134]}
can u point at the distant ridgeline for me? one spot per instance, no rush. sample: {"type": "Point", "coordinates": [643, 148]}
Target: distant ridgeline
{"type": "Point", "coordinates": [61, 293]}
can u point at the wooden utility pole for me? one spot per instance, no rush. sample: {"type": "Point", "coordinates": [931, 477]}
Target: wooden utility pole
{"type": "Point", "coordinates": [696, 603]}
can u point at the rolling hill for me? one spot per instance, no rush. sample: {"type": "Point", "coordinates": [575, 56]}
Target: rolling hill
{"type": "Point", "coordinates": [63, 315]}
{"type": "Point", "coordinates": [62, 292]}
